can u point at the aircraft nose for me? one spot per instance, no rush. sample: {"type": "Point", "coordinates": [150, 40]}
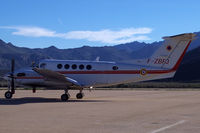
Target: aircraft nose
{"type": "Point", "coordinates": [6, 76]}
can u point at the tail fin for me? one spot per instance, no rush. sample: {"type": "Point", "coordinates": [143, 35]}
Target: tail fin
{"type": "Point", "coordinates": [170, 54]}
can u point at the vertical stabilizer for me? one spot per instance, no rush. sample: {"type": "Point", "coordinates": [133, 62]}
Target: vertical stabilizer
{"type": "Point", "coordinates": [170, 54]}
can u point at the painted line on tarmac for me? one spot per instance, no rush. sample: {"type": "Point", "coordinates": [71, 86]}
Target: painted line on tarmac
{"type": "Point", "coordinates": [167, 127]}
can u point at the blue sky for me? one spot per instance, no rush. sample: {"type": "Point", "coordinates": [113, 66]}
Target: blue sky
{"type": "Point", "coordinates": [74, 23]}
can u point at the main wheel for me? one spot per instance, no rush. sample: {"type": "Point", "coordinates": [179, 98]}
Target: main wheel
{"type": "Point", "coordinates": [79, 95]}
{"type": "Point", "coordinates": [65, 97]}
{"type": "Point", "coordinates": [8, 95]}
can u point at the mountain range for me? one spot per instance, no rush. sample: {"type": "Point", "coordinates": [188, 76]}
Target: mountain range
{"type": "Point", "coordinates": [119, 53]}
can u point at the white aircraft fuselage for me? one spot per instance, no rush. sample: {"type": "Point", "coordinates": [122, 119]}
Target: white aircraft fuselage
{"type": "Point", "coordinates": [92, 73]}
{"type": "Point", "coordinates": [71, 74]}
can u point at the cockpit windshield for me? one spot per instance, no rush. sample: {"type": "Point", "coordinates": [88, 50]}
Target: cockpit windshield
{"type": "Point", "coordinates": [43, 65]}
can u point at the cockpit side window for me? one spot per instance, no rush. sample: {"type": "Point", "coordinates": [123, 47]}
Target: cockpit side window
{"type": "Point", "coordinates": [115, 67]}
{"type": "Point", "coordinates": [43, 65]}
{"type": "Point", "coordinates": [21, 74]}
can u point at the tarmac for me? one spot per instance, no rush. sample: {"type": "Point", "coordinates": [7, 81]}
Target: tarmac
{"type": "Point", "coordinates": [101, 111]}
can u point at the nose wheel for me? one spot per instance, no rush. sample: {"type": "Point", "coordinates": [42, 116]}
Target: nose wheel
{"type": "Point", "coordinates": [8, 95]}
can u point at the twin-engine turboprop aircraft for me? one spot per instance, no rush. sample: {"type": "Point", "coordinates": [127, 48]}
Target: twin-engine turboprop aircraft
{"type": "Point", "coordinates": [78, 74]}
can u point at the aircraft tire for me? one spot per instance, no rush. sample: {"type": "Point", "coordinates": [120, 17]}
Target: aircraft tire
{"type": "Point", "coordinates": [65, 97]}
{"type": "Point", "coordinates": [8, 95]}
{"type": "Point", "coordinates": [79, 95]}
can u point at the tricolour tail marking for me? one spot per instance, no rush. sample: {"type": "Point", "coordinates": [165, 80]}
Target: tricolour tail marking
{"type": "Point", "coordinates": [170, 54]}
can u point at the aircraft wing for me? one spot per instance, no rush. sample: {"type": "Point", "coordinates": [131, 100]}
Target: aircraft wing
{"type": "Point", "coordinates": [53, 76]}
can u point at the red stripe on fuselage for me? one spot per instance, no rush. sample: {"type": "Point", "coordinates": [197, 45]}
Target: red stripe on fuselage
{"type": "Point", "coordinates": [30, 77]}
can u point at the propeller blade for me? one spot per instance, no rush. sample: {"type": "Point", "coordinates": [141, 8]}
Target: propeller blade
{"type": "Point", "coordinates": [12, 66]}
{"type": "Point", "coordinates": [12, 76]}
{"type": "Point", "coordinates": [12, 86]}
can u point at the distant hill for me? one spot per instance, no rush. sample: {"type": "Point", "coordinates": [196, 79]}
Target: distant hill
{"type": "Point", "coordinates": [119, 53]}
{"type": "Point", "coordinates": [122, 52]}
{"type": "Point", "coordinates": [189, 69]}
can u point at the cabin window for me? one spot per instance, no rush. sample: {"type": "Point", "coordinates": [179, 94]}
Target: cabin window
{"type": "Point", "coordinates": [21, 74]}
{"type": "Point", "coordinates": [81, 66]}
{"type": "Point", "coordinates": [67, 66]}
{"type": "Point", "coordinates": [74, 66]}
{"type": "Point", "coordinates": [59, 66]}
{"type": "Point", "coordinates": [115, 68]}
{"type": "Point", "coordinates": [43, 65]}
{"type": "Point", "coordinates": [89, 67]}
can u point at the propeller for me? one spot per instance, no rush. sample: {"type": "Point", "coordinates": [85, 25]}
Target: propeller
{"type": "Point", "coordinates": [11, 76]}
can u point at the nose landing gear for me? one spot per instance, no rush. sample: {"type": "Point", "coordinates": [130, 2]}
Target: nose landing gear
{"type": "Point", "coordinates": [8, 95]}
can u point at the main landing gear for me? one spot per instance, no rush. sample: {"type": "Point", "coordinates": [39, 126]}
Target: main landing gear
{"type": "Point", "coordinates": [66, 95]}
{"type": "Point", "coordinates": [79, 95]}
